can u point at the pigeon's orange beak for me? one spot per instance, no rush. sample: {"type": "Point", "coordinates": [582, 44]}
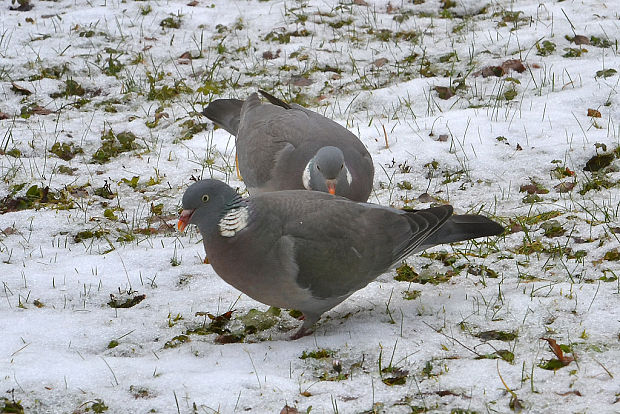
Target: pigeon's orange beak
{"type": "Point", "coordinates": [331, 186]}
{"type": "Point", "coordinates": [184, 219]}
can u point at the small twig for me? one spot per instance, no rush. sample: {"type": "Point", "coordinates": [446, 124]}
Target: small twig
{"type": "Point", "coordinates": [15, 353]}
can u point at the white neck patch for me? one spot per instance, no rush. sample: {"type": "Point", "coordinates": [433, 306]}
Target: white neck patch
{"type": "Point", "coordinates": [305, 177]}
{"type": "Point", "coordinates": [349, 177]}
{"type": "Point", "coordinates": [234, 221]}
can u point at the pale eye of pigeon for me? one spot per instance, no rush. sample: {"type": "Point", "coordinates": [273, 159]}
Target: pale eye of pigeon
{"type": "Point", "coordinates": [205, 198]}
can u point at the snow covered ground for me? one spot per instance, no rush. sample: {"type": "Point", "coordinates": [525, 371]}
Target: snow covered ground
{"type": "Point", "coordinates": [89, 210]}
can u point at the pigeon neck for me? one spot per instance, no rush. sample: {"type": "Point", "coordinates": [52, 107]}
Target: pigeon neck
{"type": "Point", "coordinates": [236, 202]}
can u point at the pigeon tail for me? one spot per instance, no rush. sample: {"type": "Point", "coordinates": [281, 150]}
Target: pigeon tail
{"type": "Point", "coordinates": [226, 113]}
{"type": "Point", "coordinates": [275, 101]}
{"type": "Point", "coordinates": [463, 227]}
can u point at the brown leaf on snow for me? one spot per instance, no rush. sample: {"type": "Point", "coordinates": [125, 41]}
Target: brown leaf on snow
{"type": "Point", "coordinates": [515, 227]}
{"type": "Point", "coordinates": [580, 40]}
{"type": "Point", "coordinates": [444, 92]}
{"type": "Point", "coordinates": [532, 189]}
{"type": "Point", "coordinates": [427, 198]}
{"type": "Point", "coordinates": [4, 115]}
{"type": "Point", "coordinates": [594, 113]}
{"type": "Point", "coordinates": [513, 64]}
{"type": "Point", "coordinates": [39, 110]}
{"type": "Point", "coordinates": [20, 89]}
{"type": "Point", "coordinates": [490, 71]}
{"type": "Point", "coordinates": [360, 3]}
{"type": "Point", "coordinates": [564, 394]}
{"type": "Point", "coordinates": [161, 115]}
{"type": "Point", "coordinates": [504, 68]}
{"type": "Point", "coordinates": [300, 81]}
{"type": "Point", "coordinates": [9, 230]}
{"type": "Point", "coordinates": [289, 410]}
{"type": "Point", "coordinates": [186, 55]}
{"type": "Point", "coordinates": [380, 62]}
{"type": "Point", "coordinates": [557, 350]}
{"type": "Point", "coordinates": [192, 3]}
{"type": "Point", "coordinates": [270, 55]}
{"type": "Point", "coordinates": [564, 187]}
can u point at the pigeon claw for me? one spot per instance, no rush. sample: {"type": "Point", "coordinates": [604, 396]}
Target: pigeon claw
{"type": "Point", "coordinates": [184, 219]}
{"type": "Point", "coordinates": [301, 332]}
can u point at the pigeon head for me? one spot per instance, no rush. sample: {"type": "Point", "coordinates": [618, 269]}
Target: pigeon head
{"type": "Point", "coordinates": [203, 203]}
{"type": "Point", "coordinates": [327, 172]}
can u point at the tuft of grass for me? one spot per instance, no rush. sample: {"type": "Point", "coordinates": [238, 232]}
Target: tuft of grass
{"type": "Point", "coordinates": [172, 22]}
{"type": "Point", "coordinates": [177, 341]}
{"type": "Point", "coordinates": [72, 88]}
{"type": "Point", "coordinates": [11, 406]}
{"type": "Point", "coordinates": [495, 335]}
{"type": "Point", "coordinates": [125, 299]}
{"type": "Point", "coordinates": [66, 151]}
{"type": "Point", "coordinates": [546, 48]}
{"type": "Point", "coordinates": [114, 144]}
{"type": "Point", "coordinates": [318, 354]}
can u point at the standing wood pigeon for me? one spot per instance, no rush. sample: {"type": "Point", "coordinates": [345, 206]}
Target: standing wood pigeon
{"type": "Point", "coordinates": [309, 250]}
{"type": "Point", "coordinates": [288, 147]}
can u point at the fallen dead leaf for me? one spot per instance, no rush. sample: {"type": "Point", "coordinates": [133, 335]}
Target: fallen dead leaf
{"type": "Point", "coordinates": [594, 113]}
{"type": "Point", "coordinates": [564, 187]}
{"type": "Point", "coordinates": [427, 198]}
{"type": "Point", "coordinates": [513, 64]}
{"type": "Point", "coordinates": [380, 62]}
{"type": "Point", "coordinates": [9, 230]}
{"type": "Point", "coordinates": [581, 40]}
{"type": "Point", "coordinates": [444, 92]}
{"type": "Point", "coordinates": [289, 410]}
{"type": "Point", "coordinates": [515, 227]}
{"type": "Point", "coordinates": [39, 110]}
{"type": "Point", "coordinates": [270, 55]}
{"type": "Point", "coordinates": [161, 115]}
{"type": "Point", "coordinates": [20, 89]}
{"type": "Point", "coordinates": [555, 348]}
{"type": "Point", "coordinates": [564, 394]}
{"type": "Point", "coordinates": [489, 71]}
{"type": "Point", "coordinates": [300, 81]}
